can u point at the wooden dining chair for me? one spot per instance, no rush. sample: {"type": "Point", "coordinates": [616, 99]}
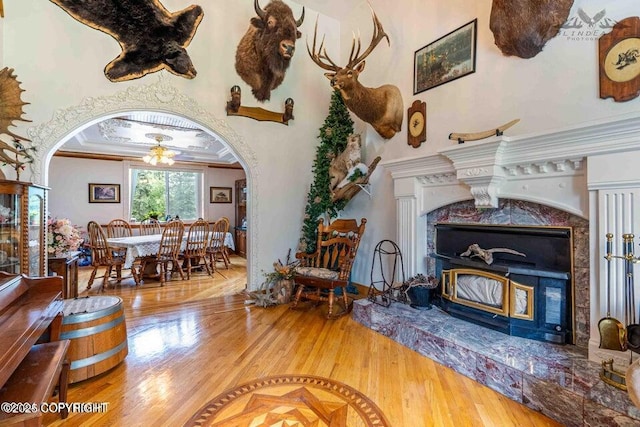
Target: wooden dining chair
{"type": "Point", "coordinates": [103, 255]}
{"type": "Point", "coordinates": [195, 251]}
{"type": "Point", "coordinates": [215, 248]}
{"type": "Point", "coordinates": [168, 252]}
{"type": "Point", "coordinates": [225, 249]}
{"type": "Point", "coordinates": [119, 228]}
{"type": "Point", "coordinates": [150, 226]}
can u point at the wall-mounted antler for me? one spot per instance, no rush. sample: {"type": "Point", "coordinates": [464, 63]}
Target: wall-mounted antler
{"type": "Point", "coordinates": [10, 111]}
{"type": "Point", "coordinates": [381, 107]}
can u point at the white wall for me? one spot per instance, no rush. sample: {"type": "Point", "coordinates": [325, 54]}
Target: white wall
{"type": "Point", "coordinates": [69, 192]}
{"type": "Point", "coordinates": [60, 63]}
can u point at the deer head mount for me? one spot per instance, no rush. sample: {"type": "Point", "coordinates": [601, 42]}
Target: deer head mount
{"type": "Point", "coordinates": [381, 107]}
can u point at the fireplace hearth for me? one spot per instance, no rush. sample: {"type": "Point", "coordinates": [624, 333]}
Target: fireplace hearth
{"type": "Point", "coordinates": [528, 296]}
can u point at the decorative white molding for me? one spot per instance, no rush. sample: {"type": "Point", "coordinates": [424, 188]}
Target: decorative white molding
{"type": "Point", "coordinates": [486, 166]}
{"type": "Point", "coordinates": [158, 97]}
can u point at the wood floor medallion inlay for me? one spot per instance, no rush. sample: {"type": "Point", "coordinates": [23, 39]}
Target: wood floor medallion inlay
{"type": "Point", "coordinates": [290, 400]}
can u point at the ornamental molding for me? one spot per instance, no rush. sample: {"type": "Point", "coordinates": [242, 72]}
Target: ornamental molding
{"type": "Point", "coordinates": [159, 97]}
{"type": "Point", "coordinates": [486, 166]}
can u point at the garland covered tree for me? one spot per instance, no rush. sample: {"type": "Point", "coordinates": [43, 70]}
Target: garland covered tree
{"type": "Point", "coordinates": [333, 139]}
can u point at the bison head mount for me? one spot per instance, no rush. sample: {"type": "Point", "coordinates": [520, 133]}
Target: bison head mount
{"type": "Point", "coordinates": [265, 51]}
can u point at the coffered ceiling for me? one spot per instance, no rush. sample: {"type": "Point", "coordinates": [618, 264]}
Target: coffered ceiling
{"type": "Point", "coordinates": [133, 135]}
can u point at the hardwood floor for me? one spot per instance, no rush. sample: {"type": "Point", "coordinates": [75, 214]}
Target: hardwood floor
{"type": "Point", "coordinates": [191, 340]}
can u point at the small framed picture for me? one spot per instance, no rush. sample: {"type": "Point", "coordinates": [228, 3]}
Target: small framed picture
{"type": "Point", "coordinates": [104, 193]}
{"type": "Point", "coordinates": [450, 57]}
{"type": "Point", "coordinates": [220, 194]}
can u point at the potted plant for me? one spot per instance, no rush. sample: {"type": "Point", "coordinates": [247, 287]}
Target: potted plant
{"type": "Point", "coordinates": [154, 214]}
{"type": "Point", "coordinates": [418, 290]}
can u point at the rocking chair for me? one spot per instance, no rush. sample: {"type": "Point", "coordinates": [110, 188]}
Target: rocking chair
{"type": "Point", "coordinates": [329, 267]}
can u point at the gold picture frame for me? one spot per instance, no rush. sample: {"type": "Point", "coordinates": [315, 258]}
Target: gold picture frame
{"type": "Point", "coordinates": [220, 195]}
{"type": "Point", "coordinates": [104, 193]}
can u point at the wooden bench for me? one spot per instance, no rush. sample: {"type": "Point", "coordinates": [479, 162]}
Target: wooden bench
{"type": "Point", "coordinates": [33, 382]}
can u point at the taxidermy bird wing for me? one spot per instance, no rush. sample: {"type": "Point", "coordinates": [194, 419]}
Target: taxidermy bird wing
{"type": "Point", "coordinates": [10, 102]}
{"type": "Point", "coordinates": [150, 36]}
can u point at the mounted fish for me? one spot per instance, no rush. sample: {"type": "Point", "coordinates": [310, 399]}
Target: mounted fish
{"type": "Point", "coordinates": [265, 51]}
{"type": "Point", "coordinates": [523, 27]}
{"type": "Point", "coordinates": [613, 335]}
{"type": "Point", "coordinates": [381, 107]}
{"type": "Point", "coordinates": [151, 37]}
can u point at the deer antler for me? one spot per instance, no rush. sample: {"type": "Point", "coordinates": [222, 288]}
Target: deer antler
{"type": "Point", "coordinates": [321, 54]}
{"type": "Point", "coordinates": [377, 36]}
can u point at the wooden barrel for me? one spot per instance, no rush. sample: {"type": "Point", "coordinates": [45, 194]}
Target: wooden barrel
{"type": "Point", "coordinates": [98, 333]}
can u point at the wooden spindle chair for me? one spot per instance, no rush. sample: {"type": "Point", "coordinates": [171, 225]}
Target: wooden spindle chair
{"type": "Point", "coordinates": [215, 248]}
{"type": "Point", "coordinates": [103, 255]}
{"type": "Point", "coordinates": [329, 267]}
{"type": "Point", "coordinates": [119, 228]}
{"type": "Point", "coordinates": [150, 226]}
{"type": "Point", "coordinates": [169, 252]}
{"type": "Point", "coordinates": [195, 251]}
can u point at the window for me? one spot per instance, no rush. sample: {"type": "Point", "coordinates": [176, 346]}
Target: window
{"type": "Point", "coordinates": [165, 193]}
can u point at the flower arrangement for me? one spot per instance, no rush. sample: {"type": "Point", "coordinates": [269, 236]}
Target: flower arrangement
{"type": "Point", "coordinates": [62, 237]}
{"type": "Point", "coordinates": [6, 215]}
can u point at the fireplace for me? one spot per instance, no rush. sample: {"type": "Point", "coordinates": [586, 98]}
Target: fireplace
{"type": "Point", "coordinates": [529, 296]}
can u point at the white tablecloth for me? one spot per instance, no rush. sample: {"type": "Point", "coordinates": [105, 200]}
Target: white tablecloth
{"type": "Point", "coordinates": [140, 246]}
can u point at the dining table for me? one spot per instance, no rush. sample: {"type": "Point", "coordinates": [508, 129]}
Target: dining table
{"type": "Point", "coordinates": [143, 246]}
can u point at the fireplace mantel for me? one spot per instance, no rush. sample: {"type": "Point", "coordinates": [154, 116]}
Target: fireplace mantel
{"type": "Point", "coordinates": [589, 170]}
{"type": "Point", "coordinates": [511, 167]}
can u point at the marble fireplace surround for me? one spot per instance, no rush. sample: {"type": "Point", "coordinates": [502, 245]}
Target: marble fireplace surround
{"type": "Point", "coordinates": [590, 172]}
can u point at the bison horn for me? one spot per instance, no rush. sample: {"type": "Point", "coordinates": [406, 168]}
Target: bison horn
{"type": "Point", "coordinates": [261, 13]}
{"type": "Point", "coordinates": [299, 21]}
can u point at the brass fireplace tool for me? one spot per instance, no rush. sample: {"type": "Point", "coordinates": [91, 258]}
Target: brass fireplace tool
{"type": "Point", "coordinates": [613, 334]}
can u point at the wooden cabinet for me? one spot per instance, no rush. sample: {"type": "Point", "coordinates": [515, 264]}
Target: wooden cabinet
{"type": "Point", "coordinates": [241, 242]}
{"type": "Point", "coordinates": [241, 218]}
{"type": "Point", "coordinates": [67, 267]}
{"type": "Point", "coordinates": [22, 228]}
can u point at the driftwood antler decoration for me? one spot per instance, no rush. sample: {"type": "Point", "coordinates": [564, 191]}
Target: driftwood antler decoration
{"type": "Point", "coordinates": [474, 136]}
{"type": "Point", "coordinates": [486, 255]}
{"type": "Point", "coordinates": [17, 154]}
{"type": "Point", "coordinates": [382, 106]}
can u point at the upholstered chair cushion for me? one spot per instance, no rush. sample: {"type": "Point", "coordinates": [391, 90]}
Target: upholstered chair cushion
{"type": "Point", "coordinates": [322, 273]}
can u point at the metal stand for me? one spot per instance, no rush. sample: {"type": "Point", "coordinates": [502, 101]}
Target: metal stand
{"type": "Point", "coordinates": [387, 259]}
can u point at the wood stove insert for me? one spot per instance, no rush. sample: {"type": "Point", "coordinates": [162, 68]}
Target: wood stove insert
{"type": "Point", "coordinates": [530, 297]}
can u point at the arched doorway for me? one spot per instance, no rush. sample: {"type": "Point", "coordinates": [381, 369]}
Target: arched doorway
{"type": "Point", "coordinates": [159, 97]}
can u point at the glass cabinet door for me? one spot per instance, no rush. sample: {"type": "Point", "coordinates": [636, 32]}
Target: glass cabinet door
{"type": "Point", "coordinates": [36, 231]}
{"type": "Point", "coordinates": [10, 233]}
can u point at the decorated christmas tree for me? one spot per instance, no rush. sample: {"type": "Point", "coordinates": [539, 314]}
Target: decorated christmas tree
{"type": "Point", "coordinates": [333, 139]}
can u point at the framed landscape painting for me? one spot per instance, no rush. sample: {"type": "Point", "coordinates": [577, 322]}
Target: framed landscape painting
{"type": "Point", "coordinates": [450, 57]}
{"type": "Point", "coordinates": [104, 193]}
{"type": "Point", "coordinates": [220, 195]}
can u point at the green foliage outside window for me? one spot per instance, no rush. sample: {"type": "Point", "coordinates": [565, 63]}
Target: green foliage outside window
{"type": "Point", "coordinates": [162, 193]}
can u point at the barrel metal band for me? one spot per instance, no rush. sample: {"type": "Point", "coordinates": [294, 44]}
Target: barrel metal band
{"type": "Point", "coordinates": [85, 332]}
{"type": "Point", "coordinates": [82, 363]}
{"type": "Point", "coordinates": [85, 317]}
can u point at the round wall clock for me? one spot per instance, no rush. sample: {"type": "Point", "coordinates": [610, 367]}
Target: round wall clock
{"type": "Point", "coordinates": [619, 56]}
{"type": "Point", "coordinates": [417, 126]}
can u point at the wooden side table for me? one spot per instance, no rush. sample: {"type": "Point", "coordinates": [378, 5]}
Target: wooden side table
{"type": "Point", "coordinates": [67, 267]}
